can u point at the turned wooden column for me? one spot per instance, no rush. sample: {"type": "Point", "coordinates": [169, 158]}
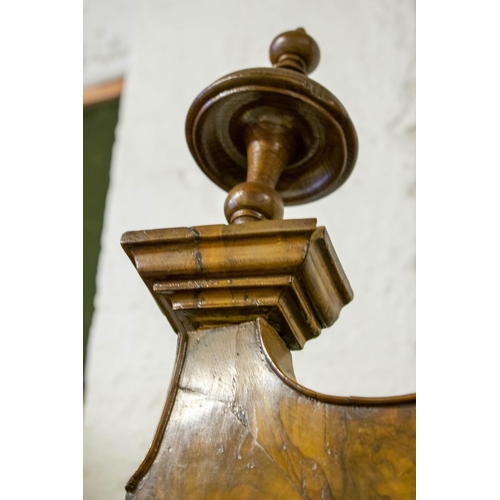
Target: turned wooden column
{"type": "Point", "coordinates": [236, 424]}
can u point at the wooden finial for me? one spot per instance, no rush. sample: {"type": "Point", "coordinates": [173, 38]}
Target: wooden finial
{"type": "Point", "coordinates": [272, 136]}
{"type": "Point", "coordinates": [295, 50]}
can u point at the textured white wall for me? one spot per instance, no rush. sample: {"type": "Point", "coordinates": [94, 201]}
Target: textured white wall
{"type": "Point", "coordinates": [108, 27]}
{"type": "Point", "coordinates": [368, 62]}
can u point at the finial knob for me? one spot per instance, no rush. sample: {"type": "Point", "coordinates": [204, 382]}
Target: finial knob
{"type": "Point", "coordinates": [295, 50]}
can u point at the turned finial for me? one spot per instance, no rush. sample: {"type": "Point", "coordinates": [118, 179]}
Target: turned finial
{"type": "Point", "coordinates": [295, 50]}
{"type": "Point", "coordinates": [272, 136]}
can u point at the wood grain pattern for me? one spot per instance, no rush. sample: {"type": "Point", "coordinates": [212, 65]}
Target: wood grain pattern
{"type": "Point", "coordinates": [235, 431]}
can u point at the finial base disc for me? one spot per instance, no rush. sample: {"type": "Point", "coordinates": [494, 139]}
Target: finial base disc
{"type": "Point", "coordinates": [325, 146]}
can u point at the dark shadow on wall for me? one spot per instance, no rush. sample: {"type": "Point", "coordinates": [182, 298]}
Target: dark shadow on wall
{"type": "Point", "coordinates": [99, 122]}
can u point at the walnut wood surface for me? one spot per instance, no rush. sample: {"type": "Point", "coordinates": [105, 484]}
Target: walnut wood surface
{"type": "Point", "coordinates": [231, 429]}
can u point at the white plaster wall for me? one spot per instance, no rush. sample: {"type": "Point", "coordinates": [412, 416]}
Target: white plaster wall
{"type": "Point", "coordinates": [108, 27]}
{"type": "Point", "coordinates": [368, 61]}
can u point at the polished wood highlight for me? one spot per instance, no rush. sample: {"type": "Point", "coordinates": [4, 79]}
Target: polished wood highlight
{"type": "Point", "coordinates": [235, 430]}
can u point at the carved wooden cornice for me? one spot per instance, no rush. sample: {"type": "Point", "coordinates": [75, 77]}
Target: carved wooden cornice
{"type": "Point", "coordinates": [207, 276]}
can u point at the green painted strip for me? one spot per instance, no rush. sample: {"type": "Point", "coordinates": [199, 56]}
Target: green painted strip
{"type": "Point", "coordinates": [99, 124]}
